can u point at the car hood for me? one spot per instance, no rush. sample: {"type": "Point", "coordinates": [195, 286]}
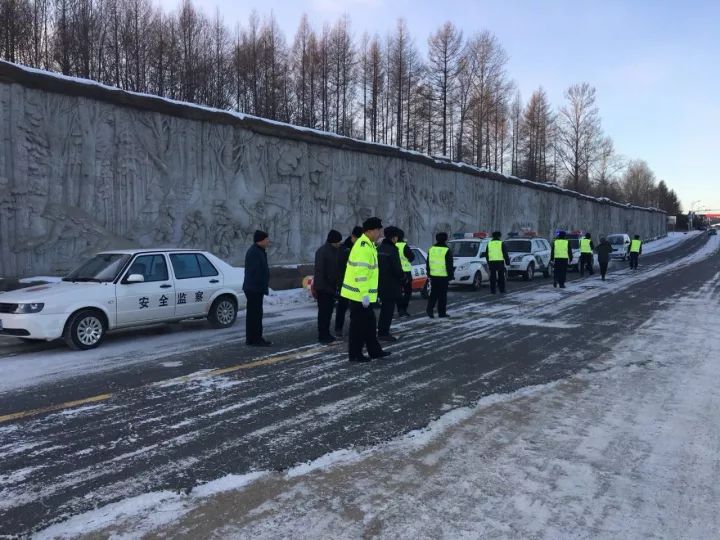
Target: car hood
{"type": "Point", "coordinates": [42, 293]}
{"type": "Point", "coordinates": [463, 260]}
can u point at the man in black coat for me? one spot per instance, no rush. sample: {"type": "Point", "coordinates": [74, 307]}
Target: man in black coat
{"type": "Point", "coordinates": [343, 254]}
{"type": "Point", "coordinates": [325, 283]}
{"type": "Point", "coordinates": [604, 250]}
{"type": "Point", "coordinates": [256, 286]}
{"type": "Point", "coordinates": [390, 281]}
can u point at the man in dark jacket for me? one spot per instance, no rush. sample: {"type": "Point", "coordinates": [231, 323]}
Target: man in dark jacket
{"type": "Point", "coordinates": [390, 282]}
{"type": "Point", "coordinates": [604, 250]}
{"type": "Point", "coordinates": [496, 255]}
{"type": "Point", "coordinates": [325, 282]}
{"type": "Point", "coordinates": [343, 254]}
{"type": "Point", "coordinates": [441, 271]}
{"type": "Point", "coordinates": [406, 258]}
{"type": "Point", "coordinates": [256, 286]}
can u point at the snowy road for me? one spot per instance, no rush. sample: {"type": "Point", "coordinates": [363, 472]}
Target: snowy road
{"type": "Point", "coordinates": [204, 411]}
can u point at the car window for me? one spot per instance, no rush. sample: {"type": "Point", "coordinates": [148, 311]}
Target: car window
{"type": "Point", "coordinates": [206, 267]}
{"type": "Point", "coordinates": [185, 265]}
{"type": "Point", "coordinates": [419, 257]}
{"type": "Point", "coordinates": [103, 267]}
{"type": "Point", "coordinates": [464, 249]}
{"type": "Point", "coordinates": [518, 246]}
{"type": "Point", "coordinates": [151, 267]}
{"type": "Point", "coordinates": [616, 240]}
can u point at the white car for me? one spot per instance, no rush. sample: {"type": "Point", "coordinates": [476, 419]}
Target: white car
{"type": "Point", "coordinates": [124, 288]}
{"type": "Point", "coordinates": [528, 256]}
{"type": "Point", "coordinates": [621, 245]}
{"type": "Point", "coordinates": [420, 281]}
{"type": "Point", "coordinates": [471, 268]}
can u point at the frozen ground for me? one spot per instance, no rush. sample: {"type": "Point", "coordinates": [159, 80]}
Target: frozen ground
{"type": "Point", "coordinates": [669, 242]}
{"type": "Point", "coordinates": [627, 449]}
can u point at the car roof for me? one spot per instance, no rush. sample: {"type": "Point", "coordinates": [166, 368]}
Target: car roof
{"type": "Point", "coordinates": [148, 250]}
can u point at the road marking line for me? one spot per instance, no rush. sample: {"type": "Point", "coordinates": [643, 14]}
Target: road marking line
{"type": "Point", "coordinates": [53, 408]}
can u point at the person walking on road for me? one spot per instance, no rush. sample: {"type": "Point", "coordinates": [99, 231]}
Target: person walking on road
{"type": "Point", "coordinates": [586, 255]}
{"type": "Point", "coordinates": [390, 282]}
{"type": "Point", "coordinates": [256, 286]}
{"type": "Point", "coordinates": [325, 281]}
{"type": "Point", "coordinates": [441, 271]}
{"type": "Point", "coordinates": [497, 256]}
{"type": "Point", "coordinates": [635, 252]}
{"type": "Point", "coordinates": [360, 287]}
{"type": "Point", "coordinates": [406, 258]}
{"type": "Point", "coordinates": [604, 250]}
{"type": "Point", "coordinates": [561, 255]}
{"type": "Point", "coordinates": [343, 254]}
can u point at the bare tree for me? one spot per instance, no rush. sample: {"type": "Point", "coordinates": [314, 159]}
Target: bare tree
{"type": "Point", "coordinates": [444, 51]}
{"type": "Point", "coordinates": [536, 139]}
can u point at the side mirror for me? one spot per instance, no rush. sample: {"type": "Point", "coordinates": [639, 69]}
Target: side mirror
{"type": "Point", "coordinates": [135, 278]}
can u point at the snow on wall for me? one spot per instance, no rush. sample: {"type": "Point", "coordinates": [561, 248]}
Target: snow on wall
{"type": "Point", "coordinates": [85, 167]}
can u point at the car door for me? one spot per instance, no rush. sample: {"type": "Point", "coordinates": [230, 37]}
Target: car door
{"type": "Point", "coordinates": [418, 269]}
{"type": "Point", "coordinates": [196, 281]}
{"type": "Point", "coordinates": [151, 300]}
{"type": "Point", "coordinates": [543, 252]}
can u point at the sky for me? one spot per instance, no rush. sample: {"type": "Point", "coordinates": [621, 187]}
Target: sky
{"type": "Point", "coordinates": [654, 64]}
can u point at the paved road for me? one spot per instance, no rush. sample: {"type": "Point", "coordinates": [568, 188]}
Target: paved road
{"type": "Point", "coordinates": [229, 409]}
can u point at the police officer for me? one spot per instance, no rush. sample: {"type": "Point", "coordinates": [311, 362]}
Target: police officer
{"type": "Point", "coordinates": [441, 271]}
{"type": "Point", "coordinates": [342, 303]}
{"type": "Point", "coordinates": [561, 255]}
{"type": "Point", "coordinates": [406, 258]}
{"type": "Point", "coordinates": [497, 256]}
{"type": "Point", "coordinates": [586, 255]}
{"type": "Point", "coordinates": [390, 281]}
{"type": "Point", "coordinates": [635, 251]}
{"type": "Point", "coordinates": [360, 287]}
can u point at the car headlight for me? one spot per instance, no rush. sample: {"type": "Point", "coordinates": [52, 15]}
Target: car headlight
{"type": "Point", "coordinates": [28, 308]}
{"type": "Point", "coordinates": [463, 267]}
{"type": "Point", "coordinates": [516, 259]}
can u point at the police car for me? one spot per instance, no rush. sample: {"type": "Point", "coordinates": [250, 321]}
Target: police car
{"type": "Point", "coordinates": [471, 268]}
{"type": "Point", "coordinates": [528, 255]}
{"type": "Point", "coordinates": [420, 281]}
{"type": "Point", "coordinates": [124, 288]}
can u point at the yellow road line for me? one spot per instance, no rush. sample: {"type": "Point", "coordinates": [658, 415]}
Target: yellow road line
{"type": "Point", "coordinates": [53, 408]}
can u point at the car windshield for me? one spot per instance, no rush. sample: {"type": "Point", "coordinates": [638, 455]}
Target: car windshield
{"type": "Point", "coordinates": [464, 249]}
{"type": "Point", "coordinates": [518, 246]}
{"type": "Point", "coordinates": [101, 268]}
{"type": "Point", "coordinates": [615, 240]}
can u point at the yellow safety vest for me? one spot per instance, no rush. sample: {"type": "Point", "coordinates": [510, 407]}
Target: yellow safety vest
{"type": "Point", "coordinates": [495, 252]}
{"type": "Point", "coordinates": [585, 245]}
{"type": "Point", "coordinates": [436, 257]}
{"type": "Point", "coordinates": [562, 249]}
{"type": "Point", "coordinates": [361, 274]}
{"type": "Point", "coordinates": [406, 266]}
{"type": "Point", "coordinates": [635, 246]}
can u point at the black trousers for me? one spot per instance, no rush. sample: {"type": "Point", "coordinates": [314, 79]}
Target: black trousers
{"type": "Point", "coordinates": [438, 295]}
{"type": "Point", "coordinates": [254, 317]}
{"type": "Point", "coordinates": [603, 267]}
{"type": "Point", "coordinates": [586, 262]}
{"type": "Point", "coordinates": [326, 303]}
{"type": "Point", "coordinates": [634, 258]}
{"type": "Point", "coordinates": [342, 307]}
{"type": "Point", "coordinates": [560, 272]}
{"type": "Point", "coordinates": [404, 301]}
{"type": "Point", "coordinates": [497, 276]}
{"type": "Point", "coordinates": [362, 331]}
{"type": "Point", "coordinates": [387, 309]}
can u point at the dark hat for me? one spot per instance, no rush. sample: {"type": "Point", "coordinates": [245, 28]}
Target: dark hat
{"type": "Point", "coordinates": [334, 237]}
{"type": "Point", "coordinates": [588, 235]}
{"type": "Point", "coordinates": [441, 237]}
{"type": "Point", "coordinates": [561, 234]}
{"type": "Point", "coordinates": [372, 223]}
{"type": "Point", "coordinates": [259, 236]}
{"type": "Point", "coordinates": [497, 235]}
{"type": "Point", "coordinates": [401, 234]}
{"type": "Point", "coordinates": [392, 232]}
{"type": "Point", "coordinates": [357, 231]}
{"type": "Point", "coordinates": [637, 237]}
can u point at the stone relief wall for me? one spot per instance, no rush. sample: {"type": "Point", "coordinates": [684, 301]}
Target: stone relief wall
{"type": "Point", "coordinates": [80, 174]}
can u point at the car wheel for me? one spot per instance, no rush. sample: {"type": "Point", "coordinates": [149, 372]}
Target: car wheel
{"type": "Point", "coordinates": [425, 291]}
{"type": "Point", "coordinates": [85, 330]}
{"type": "Point", "coordinates": [529, 272]}
{"type": "Point", "coordinates": [477, 281]}
{"type": "Point", "coordinates": [223, 312]}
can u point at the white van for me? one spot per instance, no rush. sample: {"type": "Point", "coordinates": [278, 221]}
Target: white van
{"type": "Point", "coordinates": [621, 245]}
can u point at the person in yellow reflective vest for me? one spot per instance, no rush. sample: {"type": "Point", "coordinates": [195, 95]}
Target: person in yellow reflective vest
{"type": "Point", "coordinates": [441, 271]}
{"type": "Point", "coordinates": [635, 252]}
{"type": "Point", "coordinates": [360, 287]}
{"type": "Point", "coordinates": [561, 256]}
{"type": "Point", "coordinates": [496, 255]}
{"type": "Point", "coordinates": [406, 258]}
{"type": "Point", "coordinates": [586, 255]}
